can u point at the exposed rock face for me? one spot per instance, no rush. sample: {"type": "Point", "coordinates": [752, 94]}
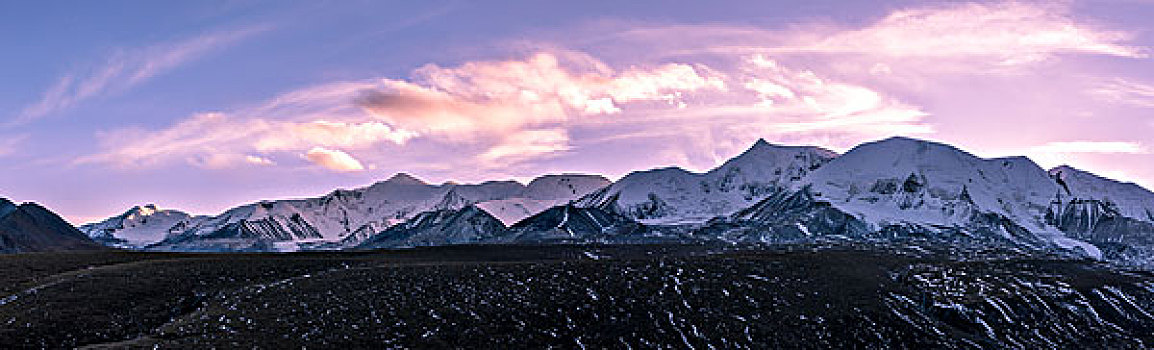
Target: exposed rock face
{"type": "Point", "coordinates": [785, 216]}
{"type": "Point", "coordinates": [573, 224]}
{"type": "Point", "coordinates": [439, 227]}
{"type": "Point", "coordinates": [1114, 216]}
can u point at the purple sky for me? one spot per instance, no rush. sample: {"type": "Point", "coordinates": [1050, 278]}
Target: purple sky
{"type": "Point", "coordinates": [203, 106]}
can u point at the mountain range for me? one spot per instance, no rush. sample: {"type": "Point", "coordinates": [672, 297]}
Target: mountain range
{"type": "Point", "coordinates": [341, 219]}
{"type": "Point", "coordinates": [892, 189]}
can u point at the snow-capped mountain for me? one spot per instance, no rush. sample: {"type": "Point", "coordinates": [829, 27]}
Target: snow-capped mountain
{"type": "Point", "coordinates": [349, 216]}
{"type": "Point", "coordinates": [902, 180]}
{"type": "Point", "coordinates": [543, 193]}
{"type": "Point", "coordinates": [901, 187]}
{"type": "Point", "coordinates": [674, 195]}
{"type": "Point", "coordinates": [140, 226]}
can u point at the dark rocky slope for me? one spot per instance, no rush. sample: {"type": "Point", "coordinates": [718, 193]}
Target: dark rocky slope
{"type": "Point", "coordinates": [30, 227]}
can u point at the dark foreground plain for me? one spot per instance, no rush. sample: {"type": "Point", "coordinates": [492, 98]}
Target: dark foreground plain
{"type": "Point", "coordinates": [642, 296]}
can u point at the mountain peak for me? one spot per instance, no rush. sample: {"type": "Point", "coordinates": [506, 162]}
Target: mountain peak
{"type": "Point", "coordinates": [761, 143]}
{"type": "Point", "coordinates": [901, 146]}
{"type": "Point", "coordinates": [906, 142]}
{"type": "Point", "coordinates": [902, 138]}
{"type": "Point", "coordinates": [1062, 169]}
{"type": "Point", "coordinates": [144, 210]}
{"type": "Point", "coordinates": [564, 186]}
{"type": "Point", "coordinates": [405, 179]}
{"type": "Point", "coordinates": [761, 147]}
{"type": "Point", "coordinates": [452, 201]}
{"type": "Point", "coordinates": [764, 154]}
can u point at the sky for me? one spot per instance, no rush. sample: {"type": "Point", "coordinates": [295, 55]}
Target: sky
{"type": "Point", "coordinates": [205, 105]}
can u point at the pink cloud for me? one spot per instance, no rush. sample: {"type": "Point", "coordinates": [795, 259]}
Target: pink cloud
{"type": "Point", "coordinates": [507, 104]}
{"type": "Point", "coordinates": [295, 136]}
{"type": "Point", "coordinates": [335, 160]}
{"type": "Point", "coordinates": [526, 145]}
{"type": "Point", "coordinates": [257, 160]}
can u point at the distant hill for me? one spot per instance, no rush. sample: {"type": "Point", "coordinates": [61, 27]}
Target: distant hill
{"type": "Point", "coordinates": [30, 227]}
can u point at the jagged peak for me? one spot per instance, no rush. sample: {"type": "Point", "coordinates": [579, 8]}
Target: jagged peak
{"type": "Point", "coordinates": [404, 179]}
{"type": "Point", "coordinates": [768, 154]}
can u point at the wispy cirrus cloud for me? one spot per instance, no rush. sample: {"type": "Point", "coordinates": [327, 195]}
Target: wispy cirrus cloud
{"type": "Point", "coordinates": [9, 144]}
{"type": "Point", "coordinates": [216, 141]}
{"type": "Point", "coordinates": [1124, 91]}
{"type": "Point", "coordinates": [990, 33]}
{"type": "Point", "coordinates": [127, 68]}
